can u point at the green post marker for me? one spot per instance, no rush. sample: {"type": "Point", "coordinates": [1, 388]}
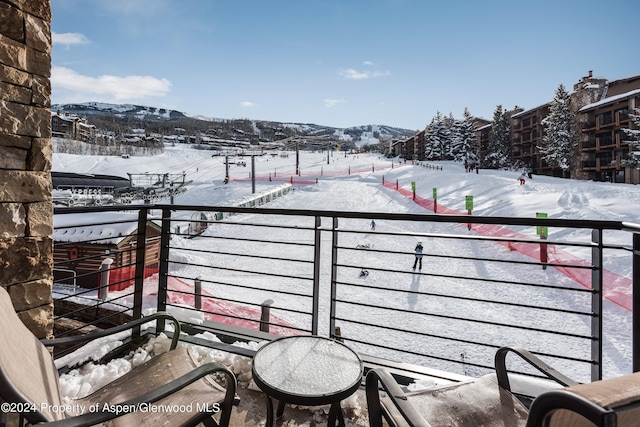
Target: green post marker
{"type": "Point", "coordinates": [413, 188]}
{"type": "Point", "coordinates": [435, 200]}
{"type": "Point", "coordinates": [468, 201]}
{"type": "Point", "coordinates": [543, 232]}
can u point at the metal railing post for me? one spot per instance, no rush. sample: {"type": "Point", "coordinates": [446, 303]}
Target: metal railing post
{"type": "Point", "coordinates": [596, 305]}
{"type": "Point", "coordinates": [163, 272]}
{"type": "Point", "coordinates": [334, 276]}
{"type": "Point", "coordinates": [197, 290]}
{"type": "Point", "coordinates": [636, 303]}
{"type": "Point", "coordinates": [265, 315]}
{"type": "Point", "coordinates": [315, 315]}
{"type": "Point", "coordinates": [141, 239]}
{"type": "Point", "coordinates": [141, 249]}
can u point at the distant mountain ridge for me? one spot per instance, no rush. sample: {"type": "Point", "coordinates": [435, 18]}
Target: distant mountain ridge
{"type": "Point", "coordinates": [120, 117]}
{"type": "Point", "coordinates": [87, 109]}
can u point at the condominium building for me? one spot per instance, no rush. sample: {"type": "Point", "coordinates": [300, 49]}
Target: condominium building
{"type": "Point", "coordinates": [65, 125]}
{"type": "Point", "coordinates": [526, 133]}
{"type": "Point", "coordinates": [604, 146]}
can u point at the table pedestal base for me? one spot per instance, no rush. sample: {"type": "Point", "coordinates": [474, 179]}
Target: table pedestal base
{"type": "Point", "coordinates": [336, 417]}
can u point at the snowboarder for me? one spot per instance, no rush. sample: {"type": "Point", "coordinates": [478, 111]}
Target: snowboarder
{"type": "Point", "coordinates": [364, 273]}
{"type": "Point", "coordinates": [418, 260]}
{"type": "Point", "coordinates": [373, 225]}
{"type": "Point", "coordinates": [530, 172]}
{"type": "Point", "coordinates": [522, 178]}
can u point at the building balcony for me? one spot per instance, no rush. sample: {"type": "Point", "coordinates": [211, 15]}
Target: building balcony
{"type": "Point", "coordinates": [607, 142]}
{"type": "Point", "coordinates": [245, 275]}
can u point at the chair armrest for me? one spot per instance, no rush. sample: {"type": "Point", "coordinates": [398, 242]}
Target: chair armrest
{"type": "Point", "coordinates": [114, 330]}
{"type": "Point", "coordinates": [549, 401]}
{"type": "Point", "coordinates": [396, 395]}
{"type": "Point", "coordinates": [536, 362]}
{"type": "Point", "coordinates": [151, 396]}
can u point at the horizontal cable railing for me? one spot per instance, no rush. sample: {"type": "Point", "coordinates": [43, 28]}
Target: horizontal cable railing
{"type": "Point", "coordinates": [444, 316]}
{"type": "Point", "coordinates": [485, 282]}
{"type": "Point", "coordinates": [242, 265]}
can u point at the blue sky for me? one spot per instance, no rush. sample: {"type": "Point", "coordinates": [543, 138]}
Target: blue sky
{"type": "Point", "coordinates": [336, 62]}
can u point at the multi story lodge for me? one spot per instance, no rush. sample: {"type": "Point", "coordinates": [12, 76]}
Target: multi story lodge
{"type": "Point", "coordinates": [65, 125]}
{"type": "Point", "coordinates": [604, 145]}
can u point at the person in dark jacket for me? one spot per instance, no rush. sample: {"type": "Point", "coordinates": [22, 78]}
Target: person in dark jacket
{"type": "Point", "coordinates": [418, 260]}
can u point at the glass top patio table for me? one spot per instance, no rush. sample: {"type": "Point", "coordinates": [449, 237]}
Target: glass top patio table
{"type": "Point", "coordinates": [307, 370]}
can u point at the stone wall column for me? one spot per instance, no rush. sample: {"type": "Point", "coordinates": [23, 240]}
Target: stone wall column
{"type": "Point", "coordinates": [26, 210]}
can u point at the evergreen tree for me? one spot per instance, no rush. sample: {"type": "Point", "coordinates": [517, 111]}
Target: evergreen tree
{"type": "Point", "coordinates": [450, 137]}
{"type": "Point", "coordinates": [499, 145]}
{"type": "Point", "coordinates": [465, 138]}
{"type": "Point", "coordinates": [435, 138]}
{"type": "Point", "coordinates": [633, 158]}
{"type": "Point", "coordinates": [559, 138]}
{"type": "Point", "coordinates": [455, 139]}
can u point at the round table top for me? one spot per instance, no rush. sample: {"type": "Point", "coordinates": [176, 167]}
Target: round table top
{"type": "Point", "coordinates": [307, 370]}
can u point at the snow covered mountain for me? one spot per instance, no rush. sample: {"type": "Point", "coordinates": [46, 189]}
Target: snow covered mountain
{"type": "Point", "coordinates": [88, 109]}
{"type": "Point", "coordinates": [121, 116]}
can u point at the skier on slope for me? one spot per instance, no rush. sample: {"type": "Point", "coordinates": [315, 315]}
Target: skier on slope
{"type": "Point", "coordinates": [418, 260]}
{"type": "Point", "coordinates": [522, 178]}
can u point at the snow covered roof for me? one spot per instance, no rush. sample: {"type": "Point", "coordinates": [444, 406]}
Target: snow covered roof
{"type": "Point", "coordinates": [609, 100]}
{"type": "Point", "coordinates": [70, 179]}
{"type": "Point", "coordinates": [546, 104]}
{"type": "Point", "coordinates": [105, 228]}
{"type": "Point", "coordinates": [65, 116]}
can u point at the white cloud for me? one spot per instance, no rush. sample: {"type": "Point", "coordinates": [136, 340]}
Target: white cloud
{"type": "Point", "coordinates": [369, 63]}
{"type": "Point", "coordinates": [113, 87]}
{"type": "Point", "coordinates": [332, 102]}
{"type": "Point", "coordinates": [249, 104]}
{"type": "Point", "coordinates": [69, 39]}
{"type": "Point", "coordinates": [353, 74]}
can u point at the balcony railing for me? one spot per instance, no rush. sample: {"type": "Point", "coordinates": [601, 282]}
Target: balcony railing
{"type": "Point", "coordinates": [239, 272]}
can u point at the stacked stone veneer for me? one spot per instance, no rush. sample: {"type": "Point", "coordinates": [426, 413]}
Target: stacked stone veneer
{"type": "Point", "coordinates": [26, 212]}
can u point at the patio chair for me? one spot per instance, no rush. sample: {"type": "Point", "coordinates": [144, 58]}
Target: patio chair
{"type": "Point", "coordinates": [486, 401]}
{"type": "Point", "coordinates": [174, 380]}
{"type": "Point", "coordinates": [606, 403]}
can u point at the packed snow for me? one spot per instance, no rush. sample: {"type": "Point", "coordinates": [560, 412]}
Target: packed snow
{"type": "Point", "coordinates": [497, 193]}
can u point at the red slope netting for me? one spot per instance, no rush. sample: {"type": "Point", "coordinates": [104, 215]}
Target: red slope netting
{"type": "Point", "coordinates": [181, 293]}
{"type": "Point", "coordinates": [616, 288]}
